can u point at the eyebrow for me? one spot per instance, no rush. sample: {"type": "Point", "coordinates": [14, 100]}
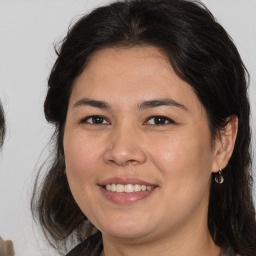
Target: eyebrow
{"type": "Point", "coordinates": [144, 105]}
{"type": "Point", "coordinates": [92, 103]}
{"type": "Point", "coordinates": [161, 102]}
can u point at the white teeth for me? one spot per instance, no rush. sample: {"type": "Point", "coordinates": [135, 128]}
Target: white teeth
{"type": "Point", "coordinates": [113, 187]}
{"type": "Point", "coordinates": [143, 188]}
{"type": "Point", "coordinates": [129, 188]}
{"type": "Point", "coordinates": [120, 188]}
{"type": "Point", "coordinates": [137, 188]}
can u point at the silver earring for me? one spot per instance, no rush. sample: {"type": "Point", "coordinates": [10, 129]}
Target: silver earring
{"type": "Point", "coordinates": [219, 177]}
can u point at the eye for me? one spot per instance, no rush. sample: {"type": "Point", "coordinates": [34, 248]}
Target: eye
{"type": "Point", "coordinates": [97, 120]}
{"type": "Point", "coordinates": [159, 120]}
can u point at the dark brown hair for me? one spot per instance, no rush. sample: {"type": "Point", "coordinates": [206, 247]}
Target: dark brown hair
{"type": "Point", "coordinates": [202, 54]}
{"type": "Point", "coordinates": [2, 126]}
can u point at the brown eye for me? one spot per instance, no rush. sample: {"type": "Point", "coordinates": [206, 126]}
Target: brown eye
{"type": "Point", "coordinates": [159, 120]}
{"type": "Point", "coordinates": [95, 120]}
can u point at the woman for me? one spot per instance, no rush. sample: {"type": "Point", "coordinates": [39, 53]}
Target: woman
{"type": "Point", "coordinates": [149, 101]}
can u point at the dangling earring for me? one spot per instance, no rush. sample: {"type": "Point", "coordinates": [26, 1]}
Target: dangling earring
{"type": "Point", "coordinates": [219, 177]}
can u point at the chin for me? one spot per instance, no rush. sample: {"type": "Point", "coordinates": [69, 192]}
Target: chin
{"type": "Point", "coordinates": [127, 230]}
{"type": "Point", "coordinates": [124, 234]}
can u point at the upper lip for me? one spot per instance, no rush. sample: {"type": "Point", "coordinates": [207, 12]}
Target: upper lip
{"type": "Point", "coordinates": [125, 181]}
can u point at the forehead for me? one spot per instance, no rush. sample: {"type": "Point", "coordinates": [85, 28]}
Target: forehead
{"type": "Point", "coordinates": [131, 74]}
{"type": "Point", "coordinates": [144, 61]}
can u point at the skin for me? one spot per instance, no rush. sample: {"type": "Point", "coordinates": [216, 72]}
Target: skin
{"type": "Point", "coordinates": [175, 155]}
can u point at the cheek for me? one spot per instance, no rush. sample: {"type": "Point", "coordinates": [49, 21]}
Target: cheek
{"type": "Point", "coordinates": [185, 166]}
{"type": "Point", "coordinates": [80, 149]}
{"type": "Point", "coordinates": [185, 161]}
{"type": "Point", "coordinates": [80, 157]}
{"type": "Point", "coordinates": [82, 164]}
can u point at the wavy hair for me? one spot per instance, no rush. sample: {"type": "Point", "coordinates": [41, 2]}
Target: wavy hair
{"type": "Point", "coordinates": [202, 54]}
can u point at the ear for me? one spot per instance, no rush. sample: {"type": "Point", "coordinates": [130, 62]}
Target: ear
{"type": "Point", "coordinates": [224, 144]}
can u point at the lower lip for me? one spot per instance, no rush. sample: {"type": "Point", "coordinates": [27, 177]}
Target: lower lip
{"type": "Point", "coordinates": [126, 198]}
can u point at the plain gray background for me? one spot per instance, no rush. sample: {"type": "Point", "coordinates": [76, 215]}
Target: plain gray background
{"type": "Point", "coordinates": [28, 29]}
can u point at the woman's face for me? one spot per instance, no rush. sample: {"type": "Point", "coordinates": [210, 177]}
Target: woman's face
{"type": "Point", "coordinates": [133, 124]}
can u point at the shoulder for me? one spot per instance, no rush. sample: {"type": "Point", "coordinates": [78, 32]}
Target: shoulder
{"type": "Point", "coordinates": [92, 246]}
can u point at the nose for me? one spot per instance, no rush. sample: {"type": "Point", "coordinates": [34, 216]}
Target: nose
{"type": "Point", "coordinates": [125, 147]}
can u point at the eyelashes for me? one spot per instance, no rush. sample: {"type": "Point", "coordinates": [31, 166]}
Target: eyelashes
{"type": "Point", "coordinates": [156, 120]}
{"type": "Point", "coordinates": [95, 120]}
{"type": "Point", "coordinates": [159, 120]}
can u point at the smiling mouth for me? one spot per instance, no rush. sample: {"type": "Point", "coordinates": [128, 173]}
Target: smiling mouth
{"type": "Point", "coordinates": [126, 191]}
{"type": "Point", "coordinates": [128, 188]}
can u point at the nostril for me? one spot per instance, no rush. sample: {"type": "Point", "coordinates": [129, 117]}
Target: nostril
{"type": "Point", "coordinates": [131, 161]}
{"type": "Point", "coordinates": [124, 152]}
{"type": "Point", "coordinates": [123, 163]}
